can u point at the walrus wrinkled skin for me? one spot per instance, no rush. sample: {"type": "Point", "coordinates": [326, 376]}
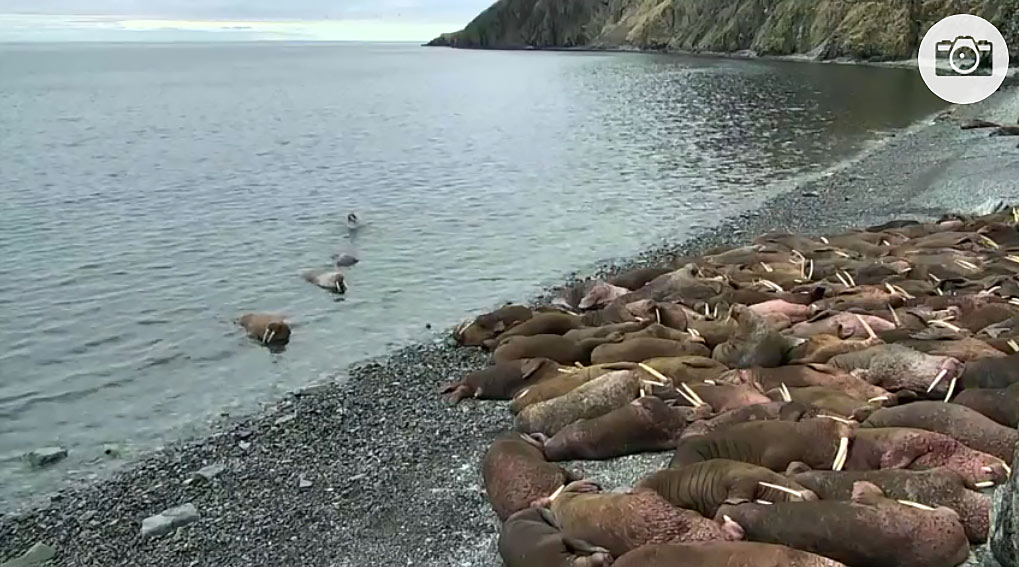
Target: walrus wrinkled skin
{"type": "Point", "coordinates": [958, 422]}
{"type": "Point", "coordinates": [703, 487]}
{"type": "Point", "coordinates": [601, 294]}
{"type": "Point", "coordinates": [871, 531]}
{"type": "Point", "coordinates": [531, 538]}
{"type": "Point", "coordinates": [547, 323]}
{"type": "Point", "coordinates": [644, 425]}
{"type": "Point", "coordinates": [916, 449]}
{"type": "Point", "coordinates": [516, 474]}
{"type": "Point", "coordinates": [501, 381]}
{"type": "Point", "coordinates": [992, 372]}
{"type": "Point", "coordinates": [725, 397]}
{"type": "Point", "coordinates": [821, 348]}
{"type": "Point", "coordinates": [771, 411]}
{"type": "Point", "coordinates": [801, 376]}
{"type": "Point", "coordinates": [722, 554]}
{"type": "Point", "coordinates": [605, 330]}
{"type": "Point", "coordinates": [644, 348]}
{"type": "Point", "coordinates": [770, 444]}
{"type": "Point", "coordinates": [596, 398]}
{"type": "Point", "coordinates": [832, 401]}
{"type": "Point", "coordinates": [753, 343]}
{"type": "Point", "coordinates": [330, 280]}
{"type": "Point", "coordinates": [998, 404]}
{"type": "Point", "coordinates": [935, 487]}
{"type": "Point", "coordinates": [268, 329]}
{"type": "Point", "coordinates": [567, 380]}
{"type": "Point", "coordinates": [489, 325]}
{"type": "Point", "coordinates": [555, 347]}
{"type": "Point", "coordinates": [844, 325]}
{"type": "Point", "coordinates": [622, 522]}
{"type": "Point", "coordinates": [636, 279]}
{"type": "Point", "coordinates": [896, 367]}
{"type": "Point", "coordinates": [681, 369]}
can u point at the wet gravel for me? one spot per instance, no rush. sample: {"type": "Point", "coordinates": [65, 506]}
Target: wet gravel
{"type": "Point", "coordinates": [378, 471]}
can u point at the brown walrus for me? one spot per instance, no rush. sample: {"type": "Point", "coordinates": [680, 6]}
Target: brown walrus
{"type": "Point", "coordinates": [516, 474]}
{"type": "Point", "coordinates": [645, 424]}
{"type": "Point", "coordinates": [833, 402]}
{"type": "Point", "coordinates": [964, 425]}
{"type": "Point", "coordinates": [722, 554]}
{"type": "Point", "coordinates": [895, 367]}
{"type": "Point", "coordinates": [772, 411]}
{"type": "Point", "coordinates": [705, 486]}
{"type": "Point", "coordinates": [998, 404]}
{"type": "Point", "coordinates": [935, 487]}
{"type": "Point", "coordinates": [621, 522]}
{"type": "Point", "coordinates": [568, 379]}
{"type": "Point", "coordinates": [821, 348]}
{"type": "Point", "coordinates": [531, 537]}
{"type": "Point", "coordinates": [992, 372]}
{"type": "Point", "coordinates": [597, 397]}
{"type": "Point", "coordinates": [555, 347]}
{"type": "Point", "coordinates": [501, 381]}
{"type": "Point", "coordinates": [638, 278]}
{"type": "Point", "coordinates": [267, 329]}
{"type": "Point", "coordinates": [682, 369]}
{"type": "Point", "coordinates": [804, 375]}
{"type": "Point", "coordinates": [604, 330]}
{"type": "Point", "coordinates": [644, 348]}
{"type": "Point", "coordinates": [753, 343]}
{"type": "Point", "coordinates": [489, 325]}
{"type": "Point", "coordinates": [870, 530]}
{"type": "Point", "coordinates": [546, 323]}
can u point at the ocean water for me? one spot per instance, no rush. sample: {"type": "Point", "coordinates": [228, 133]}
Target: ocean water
{"type": "Point", "coordinates": [150, 194]}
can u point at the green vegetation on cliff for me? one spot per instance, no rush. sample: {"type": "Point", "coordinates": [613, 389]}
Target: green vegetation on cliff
{"type": "Point", "coordinates": [827, 29]}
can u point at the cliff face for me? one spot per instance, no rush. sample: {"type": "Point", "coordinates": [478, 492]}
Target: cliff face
{"type": "Point", "coordinates": [827, 29]}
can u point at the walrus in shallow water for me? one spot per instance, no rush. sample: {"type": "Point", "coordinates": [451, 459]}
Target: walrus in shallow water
{"type": "Point", "coordinates": [998, 404]}
{"type": "Point", "coordinates": [870, 530]}
{"type": "Point", "coordinates": [516, 474]}
{"type": "Point", "coordinates": [722, 554]}
{"type": "Point", "coordinates": [935, 487]}
{"type": "Point", "coordinates": [621, 522]}
{"type": "Point", "coordinates": [532, 538]}
{"type": "Point", "coordinates": [705, 486]}
{"type": "Point", "coordinates": [501, 381]}
{"type": "Point", "coordinates": [964, 425]}
{"type": "Point", "coordinates": [490, 325]}
{"type": "Point", "coordinates": [645, 424]}
{"type": "Point", "coordinates": [271, 330]}
{"type": "Point", "coordinates": [331, 280]}
{"type": "Point", "coordinates": [753, 343]}
{"type": "Point", "coordinates": [596, 398]}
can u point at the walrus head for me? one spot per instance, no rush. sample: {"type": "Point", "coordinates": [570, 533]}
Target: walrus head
{"type": "Point", "coordinates": [276, 332]}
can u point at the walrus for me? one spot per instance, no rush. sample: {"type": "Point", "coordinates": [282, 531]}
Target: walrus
{"type": "Point", "coordinates": [266, 328]}
{"type": "Point", "coordinates": [753, 343]}
{"type": "Point", "coordinates": [866, 297]}
{"type": "Point", "coordinates": [644, 348]}
{"type": "Point", "coordinates": [992, 372]}
{"type": "Point", "coordinates": [531, 537]}
{"type": "Point", "coordinates": [964, 425]}
{"type": "Point", "coordinates": [544, 323]}
{"type": "Point", "coordinates": [876, 448]}
{"type": "Point", "coordinates": [601, 294]}
{"type": "Point", "coordinates": [672, 315]}
{"type": "Point", "coordinates": [567, 380]}
{"type": "Point", "coordinates": [820, 443]}
{"type": "Point", "coordinates": [646, 424]}
{"type": "Point", "coordinates": [682, 284]}
{"type": "Point", "coordinates": [964, 349]}
{"type": "Point", "coordinates": [843, 325]}
{"type": "Point", "coordinates": [722, 554]}
{"type": "Point", "coordinates": [489, 325]}
{"type": "Point", "coordinates": [934, 487]}
{"type": "Point", "coordinates": [331, 280]}
{"type": "Point", "coordinates": [638, 278]}
{"type": "Point", "coordinates": [595, 398]}
{"type": "Point", "coordinates": [705, 486]}
{"type": "Point", "coordinates": [794, 311]}
{"type": "Point", "coordinates": [501, 381]}
{"type": "Point", "coordinates": [895, 367]}
{"type": "Point", "coordinates": [999, 404]}
{"type": "Point", "coordinates": [771, 411]}
{"type": "Point", "coordinates": [821, 348]}
{"type": "Point", "coordinates": [659, 331]}
{"type": "Point", "coordinates": [622, 522]}
{"type": "Point", "coordinates": [515, 474]}
{"type": "Point", "coordinates": [870, 530]}
{"type": "Point", "coordinates": [804, 375]}
{"type": "Point", "coordinates": [604, 330]}
{"type": "Point", "coordinates": [554, 347]}
{"type": "Point", "coordinates": [681, 369]}
{"type": "Point", "coordinates": [833, 402]}
{"type": "Point", "coordinates": [723, 397]}
{"type": "Point", "coordinates": [713, 331]}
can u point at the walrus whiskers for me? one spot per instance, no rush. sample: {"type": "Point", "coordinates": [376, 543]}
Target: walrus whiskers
{"type": "Point", "coordinates": [841, 454]}
{"type": "Point", "coordinates": [951, 389]}
{"type": "Point", "coordinates": [786, 397]}
{"type": "Point", "coordinates": [867, 327]}
{"type": "Point", "coordinates": [780, 488]}
{"type": "Point", "coordinates": [984, 484]}
{"type": "Point", "coordinates": [1013, 345]}
{"type": "Point", "coordinates": [898, 322]}
{"type": "Point", "coordinates": [944, 371]}
{"type": "Point", "coordinates": [916, 505]}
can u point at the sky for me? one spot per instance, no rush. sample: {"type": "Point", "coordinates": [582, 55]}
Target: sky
{"type": "Point", "coordinates": [213, 20]}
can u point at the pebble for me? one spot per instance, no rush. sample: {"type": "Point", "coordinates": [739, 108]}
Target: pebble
{"type": "Point", "coordinates": [169, 520]}
{"type": "Point", "coordinates": [207, 473]}
{"type": "Point", "coordinates": [303, 483]}
{"type": "Point", "coordinates": [37, 555]}
{"type": "Point", "coordinates": [244, 445]}
{"type": "Point", "coordinates": [46, 456]}
{"type": "Point", "coordinates": [286, 419]}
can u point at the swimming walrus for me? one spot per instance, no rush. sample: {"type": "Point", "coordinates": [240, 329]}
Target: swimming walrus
{"type": "Point", "coordinates": [644, 348]}
{"type": "Point", "coordinates": [331, 280]}
{"type": "Point", "coordinates": [532, 538]}
{"type": "Point", "coordinates": [515, 474]}
{"type": "Point", "coordinates": [895, 367]}
{"type": "Point", "coordinates": [934, 487]}
{"type": "Point", "coordinates": [568, 379]}
{"type": "Point", "coordinates": [644, 425]}
{"type": "Point", "coordinates": [722, 554]}
{"type": "Point", "coordinates": [753, 343]}
{"type": "Point", "coordinates": [554, 347]}
{"type": "Point", "coordinates": [705, 486]}
{"type": "Point", "coordinates": [266, 328]}
{"type": "Point", "coordinates": [489, 325]}
{"type": "Point", "coordinates": [622, 522]}
{"type": "Point", "coordinates": [501, 381]}
{"type": "Point", "coordinates": [961, 423]}
{"type": "Point", "coordinates": [544, 323]}
{"type": "Point", "coordinates": [595, 398]}
{"type": "Point", "coordinates": [820, 443]}
{"type": "Point", "coordinates": [871, 530]}
{"type": "Point", "coordinates": [999, 404]}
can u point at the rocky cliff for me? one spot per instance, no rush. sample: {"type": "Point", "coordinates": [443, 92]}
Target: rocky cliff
{"type": "Point", "coordinates": [826, 29]}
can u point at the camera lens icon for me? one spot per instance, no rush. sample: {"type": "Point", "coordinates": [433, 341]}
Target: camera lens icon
{"type": "Point", "coordinates": [964, 56]}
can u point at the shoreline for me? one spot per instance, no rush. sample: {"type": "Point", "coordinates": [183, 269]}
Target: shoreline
{"type": "Point", "coordinates": [378, 467]}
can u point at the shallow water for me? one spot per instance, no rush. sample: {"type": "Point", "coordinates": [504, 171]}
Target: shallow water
{"type": "Point", "coordinates": [149, 194]}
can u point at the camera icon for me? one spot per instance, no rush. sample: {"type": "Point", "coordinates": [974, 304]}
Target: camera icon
{"type": "Point", "coordinates": [965, 56]}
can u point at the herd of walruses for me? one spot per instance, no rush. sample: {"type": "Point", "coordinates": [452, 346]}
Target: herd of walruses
{"type": "Point", "coordinates": [832, 400]}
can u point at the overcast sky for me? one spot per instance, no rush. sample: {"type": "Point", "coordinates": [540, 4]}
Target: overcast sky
{"type": "Point", "coordinates": [409, 20]}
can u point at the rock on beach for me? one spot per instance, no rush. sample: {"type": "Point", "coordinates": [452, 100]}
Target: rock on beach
{"type": "Point", "coordinates": [169, 520]}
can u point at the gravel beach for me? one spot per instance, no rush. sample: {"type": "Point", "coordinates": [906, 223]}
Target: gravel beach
{"type": "Point", "coordinates": [378, 471]}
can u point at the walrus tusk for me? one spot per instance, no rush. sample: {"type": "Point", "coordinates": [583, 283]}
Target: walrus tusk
{"type": "Point", "coordinates": [989, 241]}
{"type": "Point", "coordinates": [655, 382]}
{"type": "Point", "coordinates": [867, 327]}
{"type": "Point", "coordinates": [798, 257]}
{"type": "Point", "coordinates": [556, 494]}
{"type": "Point", "coordinates": [767, 268]}
{"type": "Point", "coordinates": [898, 322]}
{"type": "Point", "coordinates": [1012, 258]}
{"type": "Point", "coordinates": [885, 242]}
{"type": "Point", "coordinates": [523, 392]}
{"type": "Point", "coordinates": [643, 390]}
{"type": "Point", "coordinates": [661, 377]}
{"type": "Point", "coordinates": [849, 277]}
{"type": "Point", "coordinates": [945, 324]}
{"type": "Point", "coordinates": [566, 370]}
{"type": "Point", "coordinates": [1013, 345]}
{"type": "Point", "coordinates": [904, 292]}
{"type": "Point", "coordinates": [916, 505]}
{"type": "Point", "coordinates": [837, 418]}
{"type": "Point", "coordinates": [765, 502]}
{"type": "Point", "coordinates": [1008, 469]}
{"type": "Point", "coordinates": [265, 334]}
{"type": "Point", "coordinates": [825, 240]}
{"type": "Point", "coordinates": [338, 287]}
{"type": "Point", "coordinates": [1015, 214]}
{"type": "Point", "coordinates": [711, 382]}
{"type": "Point", "coordinates": [934, 278]}
{"type": "Point", "coordinates": [695, 334]}
{"type": "Point", "coordinates": [658, 315]}
{"type": "Point", "coordinates": [772, 285]}
{"type": "Point", "coordinates": [937, 379]}
{"type": "Point", "coordinates": [840, 456]}
{"type": "Point", "coordinates": [578, 365]}
{"type": "Point", "coordinates": [984, 484]}
{"type": "Point", "coordinates": [938, 290]}
{"type": "Point", "coordinates": [271, 335]}
{"type": "Point", "coordinates": [878, 399]}
{"type": "Point", "coordinates": [786, 397]}
{"type": "Point", "coordinates": [968, 265]}
{"type": "Point", "coordinates": [951, 389]}
{"type": "Point", "coordinates": [841, 253]}
{"type": "Point", "coordinates": [810, 273]}
{"type": "Point", "coordinates": [781, 488]}
{"type": "Point", "coordinates": [1014, 301]}
{"type": "Point", "coordinates": [890, 289]}
{"type": "Point", "coordinates": [714, 312]}
{"type": "Point", "coordinates": [707, 310]}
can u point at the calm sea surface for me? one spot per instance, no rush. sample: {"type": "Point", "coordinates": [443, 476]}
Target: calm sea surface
{"type": "Point", "coordinates": [149, 194]}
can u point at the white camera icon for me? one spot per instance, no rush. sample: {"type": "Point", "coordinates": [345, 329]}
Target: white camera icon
{"type": "Point", "coordinates": [965, 57]}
